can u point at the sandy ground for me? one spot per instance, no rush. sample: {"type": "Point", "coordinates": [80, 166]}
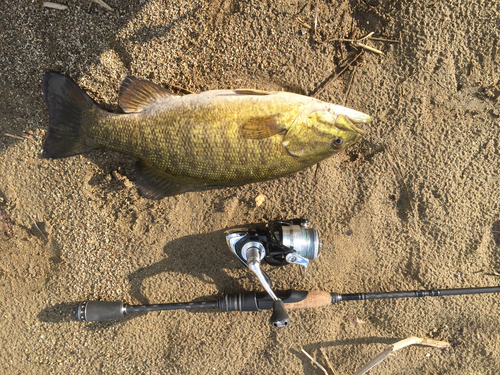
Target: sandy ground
{"type": "Point", "coordinates": [415, 205]}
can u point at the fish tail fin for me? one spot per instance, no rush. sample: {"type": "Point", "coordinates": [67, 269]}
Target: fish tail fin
{"type": "Point", "coordinates": [70, 110]}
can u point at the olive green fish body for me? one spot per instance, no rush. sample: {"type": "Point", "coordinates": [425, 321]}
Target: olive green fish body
{"type": "Point", "coordinates": [216, 138]}
{"type": "Point", "coordinates": [198, 139]}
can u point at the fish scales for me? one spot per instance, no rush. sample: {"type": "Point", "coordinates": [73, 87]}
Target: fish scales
{"type": "Point", "coordinates": [212, 139]}
{"type": "Point", "coordinates": [201, 139]}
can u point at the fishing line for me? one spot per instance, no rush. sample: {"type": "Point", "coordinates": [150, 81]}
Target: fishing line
{"type": "Point", "coordinates": [458, 174]}
{"type": "Point", "coordinates": [399, 176]}
{"type": "Point", "coordinates": [436, 223]}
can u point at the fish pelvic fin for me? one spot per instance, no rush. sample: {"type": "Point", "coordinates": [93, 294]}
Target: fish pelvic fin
{"type": "Point", "coordinates": [153, 183]}
{"type": "Point", "coordinates": [137, 93]}
{"type": "Point", "coordinates": [70, 108]}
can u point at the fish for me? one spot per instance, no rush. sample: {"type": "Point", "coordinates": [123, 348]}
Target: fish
{"type": "Point", "coordinates": [201, 141]}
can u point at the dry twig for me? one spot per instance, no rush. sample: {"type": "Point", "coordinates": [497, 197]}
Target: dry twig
{"type": "Point", "coordinates": [302, 23]}
{"type": "Point", "coordinates": [400, 345]}
{"type": "Point", "coordinates": [316, 15]}
{"type": "Point", "coordinates": [357, 42]}
{"type": "Point", "coordinates": [180, 88]}
{"type": "Point", "coordinates": [327, 360]}
{"type": "Point", "coordinates": [314, 361]}
{"type": "Point", "coordinates": [316, 170]}
{"type": "Point", "coordinates": [103, 4]}
{"type": "Point", "coordinates": [48, 4]}
{"type": "Point", "coordinates": [14, 136]}
{"type": "Point", "coordinates": [349, 87]}
{"type": "Point", "coordinates": [37, 227]}
{"type": "Point", "coordinates": [336, 76]}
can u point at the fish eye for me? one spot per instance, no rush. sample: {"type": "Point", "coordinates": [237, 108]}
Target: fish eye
{"type": "Point", "coordinates": [337, 142]}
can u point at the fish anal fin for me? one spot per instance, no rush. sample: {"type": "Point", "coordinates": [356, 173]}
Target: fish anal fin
{"type": "Point", "coordinates": [153, 183]}
{"type": "Point", "coordinates": [137, 93]}
{"type": "Point", "coordinates": [261, 127]}
{"type": "Point", "coordinates": [251, 92]}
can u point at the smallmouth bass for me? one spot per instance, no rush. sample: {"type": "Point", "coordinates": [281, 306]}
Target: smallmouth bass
{"type": "Point", "coordinates": [199, 141]}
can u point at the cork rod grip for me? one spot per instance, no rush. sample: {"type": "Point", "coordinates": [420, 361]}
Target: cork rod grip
{"type": "Point", "coordinates": [313, 299]}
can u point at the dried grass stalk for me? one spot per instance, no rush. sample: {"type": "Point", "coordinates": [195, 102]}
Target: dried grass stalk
{"type": "Point", "coordinates": [314, 361]}
{"type": "Point", "coordinates": [103, 4]}
{"type": "Point", "coordinates": [400, 345]}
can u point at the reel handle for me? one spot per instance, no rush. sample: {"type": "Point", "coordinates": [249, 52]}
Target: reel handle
{"type": "Point", "coordinates": [279, 318]}
{"type": "Point", "coordinates": [254, 254]}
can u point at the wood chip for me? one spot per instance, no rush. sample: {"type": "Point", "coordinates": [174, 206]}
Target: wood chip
{"type": "Point", "coordinates": [260, 200]}
{"type": "Point", "coordinates": [48, 4]}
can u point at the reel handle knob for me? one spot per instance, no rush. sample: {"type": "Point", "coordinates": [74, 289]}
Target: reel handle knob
{"type": "Point", "coordinates": [280, 317]}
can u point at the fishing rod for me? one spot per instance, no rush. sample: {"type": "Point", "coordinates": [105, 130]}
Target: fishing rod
{"type": "Point", "coordinates": [277, 243]}
{"type": "Point", "coordinates": [93, 311]}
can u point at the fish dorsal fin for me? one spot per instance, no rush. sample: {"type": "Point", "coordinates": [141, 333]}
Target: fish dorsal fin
{"type": "Point", "coordinates": [136, 93]}
{"type": "Point", "coordinates": [261, 127]}
{"type": "Point", "coordinates": [251, 92]}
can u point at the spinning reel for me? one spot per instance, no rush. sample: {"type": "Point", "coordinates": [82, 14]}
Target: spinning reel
{"type": "Point", "coordinates": [279, 243]}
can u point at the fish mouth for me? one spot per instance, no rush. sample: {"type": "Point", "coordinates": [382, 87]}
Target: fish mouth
{"type": "Point", "coordinates": [358, 119]}
{"type": "Point", "coordinates": [358, 130]}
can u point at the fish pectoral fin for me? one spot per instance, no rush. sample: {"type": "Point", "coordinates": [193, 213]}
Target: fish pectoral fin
{"type": "Point", "coordinates": [261, 127]}
{"type": "Point", "coordinates": [251, 92]}
{"type": "Point", "coordinates": [153, 183]}
{"type": "Point", "coordinates": [137, 93]}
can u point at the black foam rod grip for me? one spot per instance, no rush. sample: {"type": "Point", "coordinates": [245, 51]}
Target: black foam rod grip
{"type": "Point", "coordinates": [94, 311]}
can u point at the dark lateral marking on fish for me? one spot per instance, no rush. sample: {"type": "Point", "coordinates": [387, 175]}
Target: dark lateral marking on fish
{"type": "Point", "coordinates": [251, 92]}
{"type": "Point", "coordinates": [261, 127]}
{"type": "Point", "coordinates": [136, 93]}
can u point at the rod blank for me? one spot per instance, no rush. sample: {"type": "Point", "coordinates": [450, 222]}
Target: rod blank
{"type": "Point", "coordinates": [93, 311]}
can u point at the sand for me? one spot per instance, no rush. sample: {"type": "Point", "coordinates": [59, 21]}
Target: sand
{"type": "Point", "coordinates": [415, 205]}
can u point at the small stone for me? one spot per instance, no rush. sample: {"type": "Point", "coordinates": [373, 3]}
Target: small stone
{"type": "Point", "coordinates": [260, 200]}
